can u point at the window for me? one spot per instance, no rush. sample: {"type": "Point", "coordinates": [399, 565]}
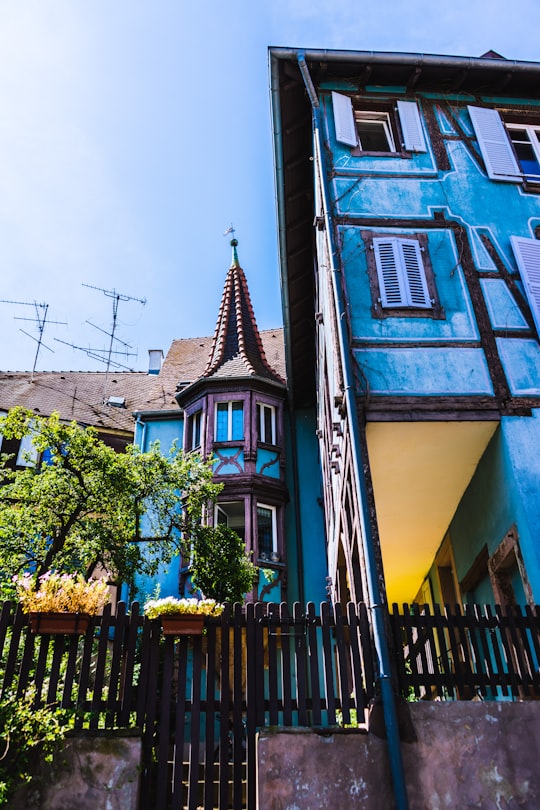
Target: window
{"type": "Point", "coordinates": [375, 130]}
{"type": "Point", "coordinates": [28, 453]}
{"type": "Point", "coordinates": [229, 421]}
{"type": "Point", "coordinates": [266, 423]}
{"type": "Point", "coordinates": [511, 151]}
{"type": "Point", "coordinates": [526, 141]}
{"type": "Point", "coordinates": [266, 531]}
{"type": "Point", "coordinates": [401, 276]}
{"type": "Point", "coordinates": [194, 430]}
{"type": "Point", "coordinates": [232, 514]}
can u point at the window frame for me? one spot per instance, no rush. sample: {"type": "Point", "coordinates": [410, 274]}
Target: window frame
{"type": "Point", "coordinates": [260, 409]}
{"type": "Point", "coordinates": [273, 513]}
{"type": "Point", "coordinates": [195, 423]}
{"type": "Point", "coordinates": [229, 403]}
{"type": "Point", "coordinates": [433, 310]}
{"type": "Point", "coordinates": [378, 117]}
{"type": "Point", "coordinates": [534, 143]}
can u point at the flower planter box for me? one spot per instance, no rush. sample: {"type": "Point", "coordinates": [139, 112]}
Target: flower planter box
{"type": "Point", "coordinates": [182, 625]}
{"type": "Point", "coordinates": [59, 623]}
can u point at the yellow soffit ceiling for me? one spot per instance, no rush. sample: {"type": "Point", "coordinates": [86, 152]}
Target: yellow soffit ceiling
{"type": "Point", "coordinates": [419, 471]}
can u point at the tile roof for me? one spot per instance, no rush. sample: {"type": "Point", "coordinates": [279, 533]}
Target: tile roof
{"type": "Point", "coordinates": [237, 349]}
{"type": "Point", "coordinates": [79, 395]}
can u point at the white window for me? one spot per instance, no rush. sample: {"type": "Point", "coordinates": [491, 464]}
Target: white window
{"type": "Point", "coordinates": [229, 421]}
{"type": "Point", "coordinates": [495, 145]}
{"type": "Point", "coordinates": [527, 253]}
{"type": "Point", "coordinates": [266, 531]}
{"type": "Point", "coordinates": [266, 423]}
{"type": "Point", "coordinates": [195, 422]}
{"type": "Point", "coordinates": [373, 131]}
{"type": "Point", "coordinates": [401, 273]}
{"type": "Point", "coordinates": [526, 141]}
{"type": "Point", "coordinates": [28, 454]}
{"type": "Point", "coordinates": [232, 514]}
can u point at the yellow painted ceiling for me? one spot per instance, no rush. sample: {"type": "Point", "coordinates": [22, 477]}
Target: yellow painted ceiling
{"type": "Point", "coordinates": [420, 470]}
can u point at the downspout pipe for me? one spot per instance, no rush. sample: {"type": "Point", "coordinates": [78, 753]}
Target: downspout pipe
{"type": "Point", "coordinates": [377, 603]}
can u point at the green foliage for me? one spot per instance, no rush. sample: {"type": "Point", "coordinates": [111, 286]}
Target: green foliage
{"type": "Point", "coordinates": [28, 736]}
{"type": "Point", "coordinates": [221, 567]}
{"type": "Point", "coordinates": [84, 507]}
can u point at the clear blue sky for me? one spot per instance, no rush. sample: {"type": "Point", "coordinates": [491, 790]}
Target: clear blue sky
{"type": "Point", "coordinates": [133, 133]}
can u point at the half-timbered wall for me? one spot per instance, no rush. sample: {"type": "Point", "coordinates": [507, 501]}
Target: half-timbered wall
{"type": "Point", "coordinates": [434, 218]}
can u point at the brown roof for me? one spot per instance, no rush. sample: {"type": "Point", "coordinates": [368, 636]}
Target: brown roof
{"type": "Point", "coordinates": [237, 349]}
{"type": "Point", "coordinates": [79, 395]}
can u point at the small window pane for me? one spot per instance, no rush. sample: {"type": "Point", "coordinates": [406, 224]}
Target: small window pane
{"type": "Point", "coordinates": [265, 530]}
{"type": "Point", "coordinates": [222, 421]}
{"type": "Point", "coordinates": [237, 421]}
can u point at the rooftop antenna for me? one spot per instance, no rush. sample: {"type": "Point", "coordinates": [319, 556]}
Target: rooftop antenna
{"type": "Point", "coordinates": [41, 320]}
{"type": "Point", "coordinates": [106, 355]}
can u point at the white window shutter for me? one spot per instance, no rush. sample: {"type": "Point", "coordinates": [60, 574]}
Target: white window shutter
{"type": "Point", "coordinates": [413, 267]}
{"type": "Point", "coordinates": [411, 126]}
{"type": "Point", "coordinates": [494, 145]}
{"type": "Point", "coordinates": [388, 271]}
{"type": "Point", "coordinates": [400, 269]}
{"type": "Point", "coordinates": [344, 119]}
{"type": "Point", "coordinates": [527, 253]}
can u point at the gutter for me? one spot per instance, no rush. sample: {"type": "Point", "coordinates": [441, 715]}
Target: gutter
{"type": "Point", "coordinates": [377, 603]}
{"type": "Point", "coordinates": [408, 59]}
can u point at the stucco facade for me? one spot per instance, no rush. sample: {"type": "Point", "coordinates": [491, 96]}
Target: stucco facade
{"type": "Point", "coordinates": [419, 350]}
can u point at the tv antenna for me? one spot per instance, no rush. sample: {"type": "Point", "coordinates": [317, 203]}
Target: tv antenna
{"type": "Point", "coordinates": [40, 320]}
{"type": "Point", "coordinates": [106, 355]}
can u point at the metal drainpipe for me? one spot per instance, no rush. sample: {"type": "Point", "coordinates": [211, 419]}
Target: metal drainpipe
{"type": "Point", "coordinates": [376, 602]}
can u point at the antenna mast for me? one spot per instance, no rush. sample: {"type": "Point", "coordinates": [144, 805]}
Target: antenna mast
{"type": "Point", "coordinates": [41, 320]}
{"type": "Point", "coordinates": [105, 355]}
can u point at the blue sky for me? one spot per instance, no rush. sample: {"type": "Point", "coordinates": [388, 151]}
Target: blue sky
{"type": "Point", "coordinates": [132, 134]}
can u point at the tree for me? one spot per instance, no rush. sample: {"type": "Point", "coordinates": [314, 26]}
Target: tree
{"type": "Point", "coordinates": [220, 566]}
{"type": "Point", "coordinates": [83, 506]}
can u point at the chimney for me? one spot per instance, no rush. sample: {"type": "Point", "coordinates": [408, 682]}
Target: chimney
{"type": "Point", "coordinates": [155, 360]}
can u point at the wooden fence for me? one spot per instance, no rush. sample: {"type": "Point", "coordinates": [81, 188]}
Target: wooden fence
{"type": "Point", "coordinates": [198, 700]}
{"type": "Point", "coordinates": [481, 651]}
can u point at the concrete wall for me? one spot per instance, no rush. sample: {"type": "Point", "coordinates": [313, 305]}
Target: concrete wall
{"type": "Point", "coordinates": [467, 754]}
{"type": "Point", "coordinates": [93, 771]}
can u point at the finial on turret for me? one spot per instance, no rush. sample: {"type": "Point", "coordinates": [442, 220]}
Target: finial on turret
{"type": "Point", "coordinates": [234, 244]}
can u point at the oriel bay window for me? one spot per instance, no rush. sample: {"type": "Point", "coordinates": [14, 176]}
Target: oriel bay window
{"type": "Point", "coordinates": [229, 421]}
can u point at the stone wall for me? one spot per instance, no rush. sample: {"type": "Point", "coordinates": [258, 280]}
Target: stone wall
{"type": "Point", "coordinates": [93, 771]}
{"type": "Point", "coordinates": [466, 754]}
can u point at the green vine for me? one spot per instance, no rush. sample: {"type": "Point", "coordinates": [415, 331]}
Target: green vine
{"type": "Point", "coordinates": [28, 737]}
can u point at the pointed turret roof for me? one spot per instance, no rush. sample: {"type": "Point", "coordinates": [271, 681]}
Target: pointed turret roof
{"type": "Point", "coordinates": [237, 349]}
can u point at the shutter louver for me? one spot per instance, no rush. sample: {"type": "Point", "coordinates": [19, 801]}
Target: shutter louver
{"type": "Point", "coordinates": [344, 119]}
{"type": "Point", "coordinates": [494, 145]}
{"type": "Point", "coordinates": [387, 263]}
{"type": "Point", "coordinates": [527, 253]}
{"type": "Point", "coordinates": [411, 126]}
